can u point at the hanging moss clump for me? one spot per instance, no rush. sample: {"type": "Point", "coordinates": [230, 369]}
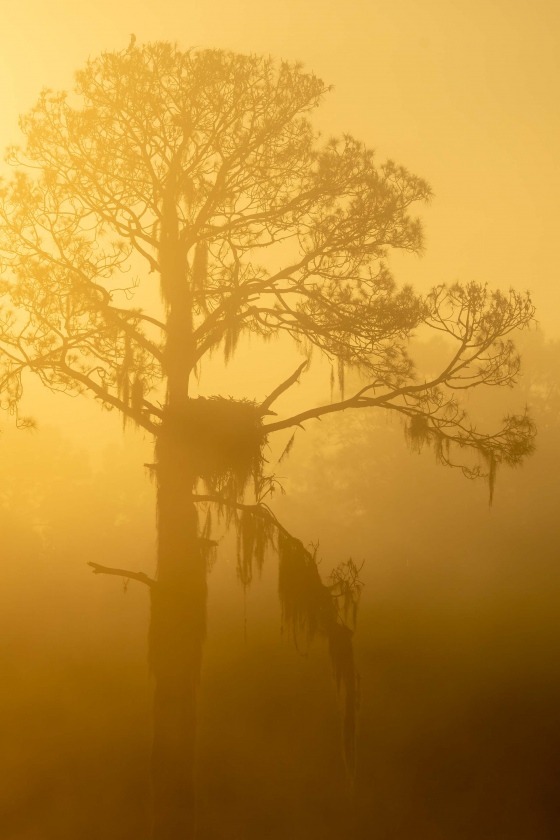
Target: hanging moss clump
{"type": "Point", "coordinates": [417, 432]}
{"type": "Point", "coordinates": [254, 534]}
{"type": "Point", "coordinates": [309, 608]}
{"type": "Point", "coordinates": [222, 440]}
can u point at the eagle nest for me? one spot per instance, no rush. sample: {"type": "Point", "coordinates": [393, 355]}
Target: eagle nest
{"type": "Point", "coordinates": [222, 440]}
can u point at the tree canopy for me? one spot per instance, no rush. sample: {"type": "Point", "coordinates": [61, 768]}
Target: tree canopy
{"type": "Point", "coordinates": [205, 166]}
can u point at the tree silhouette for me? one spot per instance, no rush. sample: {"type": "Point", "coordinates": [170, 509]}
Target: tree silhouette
{"type": "Point", "coordinates": [199, 175]}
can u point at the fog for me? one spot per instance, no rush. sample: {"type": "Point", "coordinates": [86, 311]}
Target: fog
{"type": "Point", "coordinates": [279, 465]}
{"type": "Point", "coordinates": [456, 645]}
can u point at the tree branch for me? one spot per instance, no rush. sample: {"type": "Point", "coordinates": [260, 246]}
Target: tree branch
{"type": "Point", "coordinates": [265, 405]}
{"type": "Point", "coordinates": [109, 570]}
{"type": "Point", "coordinates": [109, 398]}
{"type": "Point", "coordinates": [317, 413]}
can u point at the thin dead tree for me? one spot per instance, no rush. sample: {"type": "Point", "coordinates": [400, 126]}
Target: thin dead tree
{"type": "Point", "coordinates": [177, 201]}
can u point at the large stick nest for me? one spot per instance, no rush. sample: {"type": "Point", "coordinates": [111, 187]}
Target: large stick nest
{"type": "Point", "coordinates": [223, 440]}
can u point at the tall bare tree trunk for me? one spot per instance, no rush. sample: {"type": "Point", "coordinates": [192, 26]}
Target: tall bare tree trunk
{"type": "Point", "coordinates": [177, 632]}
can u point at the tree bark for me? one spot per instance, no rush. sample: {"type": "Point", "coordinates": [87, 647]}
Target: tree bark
{"type": "Point", "coordinates": [177, 631]}
{"type": "Point", "coordinates": [178, 601]}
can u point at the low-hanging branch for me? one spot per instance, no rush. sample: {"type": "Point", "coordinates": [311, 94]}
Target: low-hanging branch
{"type": "Point", "coordinates": [310, 607]}
{"type": "Point", "coordinates": [141, 577]}
{"type": "Point", "coordinates": [258, 509]}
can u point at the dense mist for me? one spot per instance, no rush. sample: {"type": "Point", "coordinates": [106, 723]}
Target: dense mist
{"type": "Point", "coordinates": [279, 421]}
{"type": "Point", "coordinates": [456, 643]}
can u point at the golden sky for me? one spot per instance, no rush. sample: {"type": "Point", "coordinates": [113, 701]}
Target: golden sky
{"type": "Point", "coordinates": [465, 94]}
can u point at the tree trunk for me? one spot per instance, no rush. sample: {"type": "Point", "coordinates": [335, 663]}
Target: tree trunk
{"type": "Point", "coordinates": [178, 617]}
{"type": "Point", "coordinates": [177, 630]}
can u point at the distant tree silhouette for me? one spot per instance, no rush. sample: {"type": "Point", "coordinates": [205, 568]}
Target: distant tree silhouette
{"type": "Point", "coordinates": [201, 173]}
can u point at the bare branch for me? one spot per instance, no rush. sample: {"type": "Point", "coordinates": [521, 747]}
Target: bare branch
{"type": "Point", "coordinates": [265, 405]}
{"type": "Point", "coordinates": [125, 573]}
